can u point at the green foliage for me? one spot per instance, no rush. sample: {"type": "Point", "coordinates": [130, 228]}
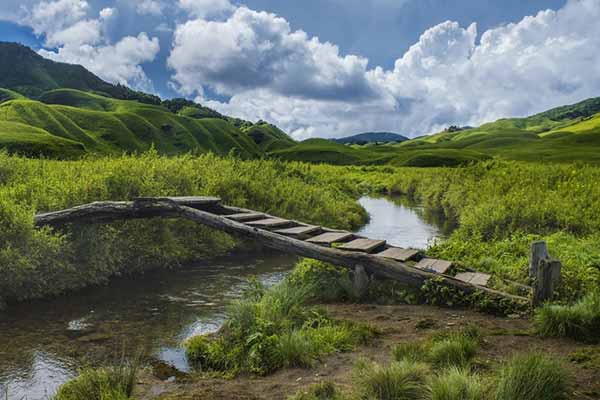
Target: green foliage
{"type": "Point", "coordinates": [457, 384]}
{"type": "Point", "coordinates": [404, 380]}
{"type": "Point", "coordinates": [271, 329]}
{"type": "Point", "coordinates": [533, 376]}
{"type": "Point", "coordinates": [112, 383]}
{"type": "Point", "coordinates": [579, 321]}
{"type": "Point", "coordinates": [41, 262]}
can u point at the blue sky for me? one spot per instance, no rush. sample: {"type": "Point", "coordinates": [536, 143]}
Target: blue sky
{"type": "Point", "coordinates": [330, 67]}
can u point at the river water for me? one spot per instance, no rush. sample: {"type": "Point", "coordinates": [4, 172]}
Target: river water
{"type": "Point", "coordinates": [43, 343]}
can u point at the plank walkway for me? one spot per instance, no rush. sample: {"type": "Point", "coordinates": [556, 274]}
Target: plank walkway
{"type": "Point", "coordinates": [339, 247]}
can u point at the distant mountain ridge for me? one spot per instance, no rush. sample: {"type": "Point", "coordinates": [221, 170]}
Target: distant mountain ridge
{"type": "Point", "coordinates": [372, 137]}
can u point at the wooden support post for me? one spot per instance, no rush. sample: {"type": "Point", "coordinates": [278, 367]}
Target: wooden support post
{"type": "Point", "coordinates": [361, 280]}
{"type": "Point", "coordinates": [539, 251]}
{"type": "Point", "coordinates": [545, 273]}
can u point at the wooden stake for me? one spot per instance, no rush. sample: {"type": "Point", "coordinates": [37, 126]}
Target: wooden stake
{"type": "Point", "coordinates": [539, 251]}
{"type": "Point", "coordinates": [545, 273]}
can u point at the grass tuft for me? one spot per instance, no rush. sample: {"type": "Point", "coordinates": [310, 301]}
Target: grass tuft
{"type": "Point", "coordinates": [457, 384]}
{"type": "Point", "coordinates": [404, 380]}
{"type": "Point", "coordinates": [580, 321]}
{"type": "Point", "coordinates": [533, 376]}
{"type": "Point", "coordinates": [319, 391]}
{"type": "Point", "coordinates": [113, 383]}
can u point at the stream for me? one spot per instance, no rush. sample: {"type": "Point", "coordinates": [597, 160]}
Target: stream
{"type": "Point", "coordinates": [44, 343]}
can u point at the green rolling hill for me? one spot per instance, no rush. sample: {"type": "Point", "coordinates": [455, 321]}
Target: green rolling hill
{"type": "Point", "coordinates": [108, 126]}
{"type": "Point", "coordinates": [64, 111]}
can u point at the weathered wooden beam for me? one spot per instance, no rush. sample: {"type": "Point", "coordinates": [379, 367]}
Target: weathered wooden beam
{"type": "Point", "coordinates": [165, 208]}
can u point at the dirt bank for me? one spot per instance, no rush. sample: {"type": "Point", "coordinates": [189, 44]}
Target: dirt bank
{"type": "Point", "coordinates": [503, 337]}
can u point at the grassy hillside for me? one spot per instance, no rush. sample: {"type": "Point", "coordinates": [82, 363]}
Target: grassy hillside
{"type": "Point", "coordinates": [96, 124]}
{"type": "Point", "coordinates": [26, 72]}
{"type": "Point", "coordinates": [372, 137]}
{"type": "Point", "coordinates": [568, 133]}
{"type": "Point", "coordinates": [327, 151]}
{"type": "Point", "coordinates": [268, 137]}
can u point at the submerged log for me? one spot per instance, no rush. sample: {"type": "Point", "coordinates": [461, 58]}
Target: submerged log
{"type": "Point", "coordinates": [166, 208]}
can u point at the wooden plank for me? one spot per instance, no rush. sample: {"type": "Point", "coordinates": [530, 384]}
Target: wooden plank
{"type": "Point", "coordinates": [364, 245]}
{"type": "Point", "coordinates": [433, 265]}
{"type": "Point", "coordinates": [269, 223]}
{"type": "Point", "coordinates": [299, 230]}
{"type": "Point", "coordinates": [188, 201]}
{"type": "Point", "coordinates": [474, 278]}
{"type": "Point", "coordinates": [243, 217]}
{"type": "Point", "coordinates": [329, 238]}
{"type": "Point", "coordinates": [398, 254]}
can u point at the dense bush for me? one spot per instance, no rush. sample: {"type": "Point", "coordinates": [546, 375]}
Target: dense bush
{"type": "Point", "coordinates": [39, 262]}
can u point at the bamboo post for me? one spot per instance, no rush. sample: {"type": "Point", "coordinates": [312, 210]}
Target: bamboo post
{"type": "Point", "coordinates": [545, 273]}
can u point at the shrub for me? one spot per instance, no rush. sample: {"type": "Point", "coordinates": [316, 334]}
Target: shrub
{"type": "Point", "coordinates": [533, 376]}
{"type": "Point", "coordinates": [115, 383]}
{"type": "Point", "coordinates": [580, 321]}
{"type": "Point", "coordinates": [457, 384]}
{"type": "Point", "coordinates": [404, 380]}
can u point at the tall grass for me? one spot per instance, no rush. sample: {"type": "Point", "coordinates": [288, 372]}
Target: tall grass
{"type": "Point", "coordinates": [533, 376]}
{"type": "Point", "coordinates": [40, 262]}
{"type": "Point", "coordinates": [580, 321]}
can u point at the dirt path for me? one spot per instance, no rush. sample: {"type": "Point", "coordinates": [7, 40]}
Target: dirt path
{"type": "Point", "coordinates": [503, 337]}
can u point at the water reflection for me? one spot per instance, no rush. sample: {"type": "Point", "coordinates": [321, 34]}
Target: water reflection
{"type": "Point", "coordinates": [402, 222]}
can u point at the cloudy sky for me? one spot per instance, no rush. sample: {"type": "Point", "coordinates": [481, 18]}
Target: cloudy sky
{"type": "Point", "coordinates": [331, 68]}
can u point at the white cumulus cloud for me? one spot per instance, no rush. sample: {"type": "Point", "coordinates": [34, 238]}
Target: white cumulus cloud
{"type": "Point", "coordinates": [450, 76]}
{"type": "Point", "coordinates": [252, 50]}
{"type": "Point", "coordinates": [206, 8]}
{"type": "Point", "coordinates": [72, 36]}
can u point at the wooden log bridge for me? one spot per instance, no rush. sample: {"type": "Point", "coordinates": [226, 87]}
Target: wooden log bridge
{"type": "Point", "coordinates": [329, 245]}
